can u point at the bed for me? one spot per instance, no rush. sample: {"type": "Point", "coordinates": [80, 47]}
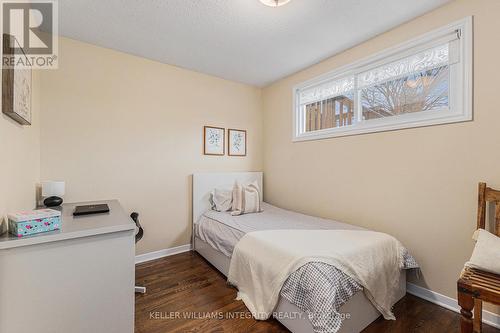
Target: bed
{"type": "Point", "coordinates": [215, 234]}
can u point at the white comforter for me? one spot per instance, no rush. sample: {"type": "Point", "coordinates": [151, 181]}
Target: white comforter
{"type": "Point", "coordinates": [263, 260]}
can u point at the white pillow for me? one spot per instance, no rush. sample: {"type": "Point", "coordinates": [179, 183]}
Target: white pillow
{"type": "Point", "coordinates": [486, 254]}
{"type": "Point", "coordinates": [222, 200]}
{"type": "Point", "coordinates": [246, 199]}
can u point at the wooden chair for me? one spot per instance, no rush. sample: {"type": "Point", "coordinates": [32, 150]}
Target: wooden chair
{"type": "Point", "coordinates": [474, 285]}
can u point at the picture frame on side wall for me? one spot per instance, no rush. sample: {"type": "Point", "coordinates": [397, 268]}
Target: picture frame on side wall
{"type": "Point", "coordinates": [214, 140]}
{"type": "Point", "coordinates": [16, 83]}
{"type": "Point", "coordinates": [237, 142]}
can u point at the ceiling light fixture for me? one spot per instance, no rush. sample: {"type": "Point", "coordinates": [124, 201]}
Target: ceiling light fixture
{"type": "Point", "coordinates": [274, 3]}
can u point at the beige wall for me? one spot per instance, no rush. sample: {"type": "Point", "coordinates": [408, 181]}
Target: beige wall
{"type": "Point", "coordinates": [119, 126]}
{"type": "Point", "coordinates": [20, 160]}
{"type": "Point", "coordinates": [416, 184]}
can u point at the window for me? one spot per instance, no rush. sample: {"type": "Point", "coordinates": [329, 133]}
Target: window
{"type": "Point", "coordinates": [426, 81]}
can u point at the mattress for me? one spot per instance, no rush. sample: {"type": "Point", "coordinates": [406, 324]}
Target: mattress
{"type": "Point", "coordinates": [222, 231]}
{"type": "Point", "coordinates": [318, 289]}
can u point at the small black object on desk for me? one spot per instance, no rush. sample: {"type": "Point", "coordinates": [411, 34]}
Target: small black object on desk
{"type": "Point", "coordinates": [91, 209]}
{"type": "Point", "coordinates": [52, 201]}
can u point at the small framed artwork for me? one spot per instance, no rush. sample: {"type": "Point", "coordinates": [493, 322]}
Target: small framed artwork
{"type": "Point", "coordinates": [237, 142]}
{"type": "Point", "coordinates": [213, 140]}
{"type": "Point", "coordinates": [16, 84]}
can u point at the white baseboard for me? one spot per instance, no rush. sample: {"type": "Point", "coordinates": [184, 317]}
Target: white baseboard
{"type": "Point", "coordinates": [449, 303]}
{"type": "Point", "coordinates": [162, 253]}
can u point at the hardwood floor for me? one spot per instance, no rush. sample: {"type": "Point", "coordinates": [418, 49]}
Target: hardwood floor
{"type": "Point", "coordinates": [185, 285]}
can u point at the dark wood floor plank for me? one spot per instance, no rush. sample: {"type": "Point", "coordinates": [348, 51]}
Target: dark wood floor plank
{"type": "Point", "coordinates": [187, 285]}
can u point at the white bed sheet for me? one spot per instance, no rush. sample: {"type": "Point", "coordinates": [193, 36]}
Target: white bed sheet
{"type": "Point", "coordinates": [222, 231]}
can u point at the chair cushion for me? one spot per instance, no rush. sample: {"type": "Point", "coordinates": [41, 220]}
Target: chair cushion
{"type": "Point", "coordinates": [486, 254]}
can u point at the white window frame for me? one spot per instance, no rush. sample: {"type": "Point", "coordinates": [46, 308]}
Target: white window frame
{"type": "Point", "coordinates": [460, 107]}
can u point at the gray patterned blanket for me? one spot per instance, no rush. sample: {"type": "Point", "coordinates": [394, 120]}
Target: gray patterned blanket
{"type": "Point", "coordinates": [320, 290]}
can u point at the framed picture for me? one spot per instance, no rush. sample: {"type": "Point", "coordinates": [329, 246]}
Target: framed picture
{"type": "Point", "coordinates": [237, 142]}
{"type": "Point", "coordinates": [213, 140]}
{"type": "Point", "coordinates": [16, 84]}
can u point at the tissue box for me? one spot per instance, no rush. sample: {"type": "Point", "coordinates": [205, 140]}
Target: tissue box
{"type": "Point", "coordinates": [33, 222]}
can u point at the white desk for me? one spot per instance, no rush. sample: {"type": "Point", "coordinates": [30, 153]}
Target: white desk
{"type": "Point", "coordinates": [79, 279]}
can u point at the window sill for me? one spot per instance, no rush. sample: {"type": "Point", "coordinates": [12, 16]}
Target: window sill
{"type": "Point", "coordinates": [384, 125]}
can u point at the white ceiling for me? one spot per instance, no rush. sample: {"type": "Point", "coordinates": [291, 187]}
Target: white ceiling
{"type": "Point", "coordinates": [239, 40]}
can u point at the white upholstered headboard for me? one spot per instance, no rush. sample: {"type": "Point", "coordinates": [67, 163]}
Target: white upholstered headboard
{"type": "Point", "coordinates": [204, 183]}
